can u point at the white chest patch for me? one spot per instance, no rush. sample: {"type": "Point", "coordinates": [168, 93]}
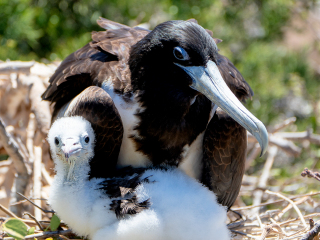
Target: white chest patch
{"type": "Point", "coordinates": [128, 154]}
{"type": "Point", "coordinates": [192, 158]}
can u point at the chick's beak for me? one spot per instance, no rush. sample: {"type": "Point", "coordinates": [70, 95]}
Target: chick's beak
{"type": "Point", "coordinates": [71, 147]}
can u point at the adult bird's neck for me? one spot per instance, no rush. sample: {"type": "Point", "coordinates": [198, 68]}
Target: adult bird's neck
{"type": "Point", "coordinates": [168, 122]}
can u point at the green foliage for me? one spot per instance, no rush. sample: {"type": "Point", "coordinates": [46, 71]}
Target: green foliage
{"type": "Point", "coordinates": [31, 230]}
{"type": "Point", "coordinates": [15, 228]}
{"type": "Point", "coordinates": [252, 33]}
{"type": "Point", "coordinates": [54, 222]}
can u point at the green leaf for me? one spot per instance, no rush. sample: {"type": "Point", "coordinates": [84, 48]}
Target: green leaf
{"type": "Point", "coordinates": [54, 223]}
{"type": "Point", "coordinates": [15, 227]}
{"type": "Point", "coordinates": [31, 230]}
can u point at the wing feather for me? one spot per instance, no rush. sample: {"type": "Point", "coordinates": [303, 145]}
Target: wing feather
{"type": "Point", "coordinates": [103, 59]}
{"type": "Point", "coordinates": [107, 125]}
{"type": "Point", "coordinates": [225, 144]}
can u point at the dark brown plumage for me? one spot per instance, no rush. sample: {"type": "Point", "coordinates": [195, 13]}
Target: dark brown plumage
{"type": "Point", "coordinates": [224, 150]}
{"type": "Point", "coordinates": [171, 116]}
{"type": "Point", "coordinates": [123, 186]}
{"type": "Point", "coordinates": [106, 125]}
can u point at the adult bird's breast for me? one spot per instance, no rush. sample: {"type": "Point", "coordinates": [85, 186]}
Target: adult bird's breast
{"type": "Point", "coordinates": [127, 109]}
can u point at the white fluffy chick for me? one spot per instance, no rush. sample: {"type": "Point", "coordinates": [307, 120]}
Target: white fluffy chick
{"type": "Point", "coordinates": [175, 206]}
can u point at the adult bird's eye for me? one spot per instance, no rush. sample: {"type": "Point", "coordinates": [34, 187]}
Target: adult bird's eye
{"type": "Point", "coordinates": [180, 54]}
{"type": "Point", "coordinates": [56, 141]}
{"type": "Point", "coordinates": [87, 139]}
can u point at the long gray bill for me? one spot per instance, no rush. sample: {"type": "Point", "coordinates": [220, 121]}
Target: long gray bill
{"type": "Point", "coordinates": [209, 82]}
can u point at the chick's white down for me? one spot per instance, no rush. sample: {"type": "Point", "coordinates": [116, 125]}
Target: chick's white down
{"type": "Point", "coordinates": [180, 207]}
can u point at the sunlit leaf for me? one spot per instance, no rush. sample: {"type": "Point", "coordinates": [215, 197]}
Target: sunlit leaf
{"type": "Point", "coordinates": [15, 228]}
{"type": "Point", "coordinates": [54, 223]}
{"type": "Point", "coordinates": [31, 230]}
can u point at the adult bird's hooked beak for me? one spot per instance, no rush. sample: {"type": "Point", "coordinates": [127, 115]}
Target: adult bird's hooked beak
{"type": "Point", "coordinates": [209, 82]}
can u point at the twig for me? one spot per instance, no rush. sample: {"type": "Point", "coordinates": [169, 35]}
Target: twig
{"type": "Point", "coordinates": [257, 195]}
{"type": "Point", "coordinates": [312, 215]}
{"type": "Point", "coordinates": [252, 156]}
{"type": "Point", "coordinates": [41, 109]}
{"type": "Point", "coordinates": [282, 143]}
{"type": "Point", "coordinates": [239, 224]}
{"type": "Point", "coordinates": [37, 164]}
{"type": "Point", "coordinates": [7, 211]}
{"type": "Point", "coordinates": [286, 145]}
{"type": "Point", "coordinates": [310, 174]}
{"type": "Point", "coordinates": [15, 67]}
{"type": "Point", "coordinates": [44, 235]}
{"type": "Point", "coordinates": [311, 223]}
{"type": "Point", "coordinates": [43, 210]}
{"type": "Point", "coordinates": [64, 237]}
{"type": "Point", "coordinates": [292, 203]}
{"type": "Point", "coordinates": [244, 234]}
{"type": "Point", "coordinates": [266, 230]}
{"type": "Point", "coordinates": [273, 202]}
{"type": "Point", "coordinates": [284, 124]}
{"type": "Point", "coordinates": [30, 135]}
{"type": "Point", "coordinates": [300, 136]}
{"type": "Point", "coordinates": [287, 208]}
{"type": "Point", "coordinates": [312, 233]}
{"type": "Point", "coordinates": [46, 176]}
{"type": "Point", "coordinates": [5, 163]}
{"type": "Point", "coordinates": [19, 161]}
{"type": "Point", "coordinates": [17, 203]}
{"type": "Point", "coordinates": [34, 219]}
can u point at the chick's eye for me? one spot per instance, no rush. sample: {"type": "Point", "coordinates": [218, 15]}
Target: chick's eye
{"type": "Point", "coordinates": [56, 141]}
{"type": "Point", "coordinates": [87, 139]}
{"type": "Point", "coordinates": [180, 54]}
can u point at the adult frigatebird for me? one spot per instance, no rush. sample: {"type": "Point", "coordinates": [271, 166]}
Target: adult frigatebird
{"type": "Point", "coordinates": [161, 91]}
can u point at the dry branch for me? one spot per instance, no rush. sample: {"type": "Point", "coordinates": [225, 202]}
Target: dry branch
{"type": "Point", "coordinates": [292, 203]}
{"type": "Point", "coordinates": [310, 174]}
{"type": "Point", "coordinates": [8, 212]}
{"type": "Point", "coordinates": [282, 143]}
{"type": "Point", "coordinates": [287, 208]}
{"type": "Point", "coordinates": [257, 195]}
{"type": "Point", "coordinates": [312, 233]}
{"type": "Point", "coordinates": [37, 164]}
{"type": "Point", "coordinates": [284, 124]}
{"type": "Point", "coordinates": [40, 108]}
{"type": "Point", "coordinates": [15, 67]}
{"type": "Point", "coordinates": [252, 156]}
{"type": "Point", "coordinates": [19, 161]}
{"type": "Point", "coordinates": [300, 136]}
{"type": "Point", "coordinates": [273, 202]}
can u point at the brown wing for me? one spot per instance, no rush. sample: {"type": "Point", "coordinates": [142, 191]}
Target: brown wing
{"type": "Point", "coordinates": [105, 58]}
{"type": "Point", "coordinates": [233, 78]}
{"type": "Point", "coordinates": [107, 125]}
{"type": "Point", "coordinates": [225, 146]}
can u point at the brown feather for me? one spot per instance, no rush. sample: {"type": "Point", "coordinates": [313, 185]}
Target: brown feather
{"type": "Point", "coordinates": [225, 145]}
{"type": "Point", "coordinates": [107, 125]}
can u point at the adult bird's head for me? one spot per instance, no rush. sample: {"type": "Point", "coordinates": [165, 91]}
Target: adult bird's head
{"type": "Point", "coordinates": [71, 142]}
{"type": "Point", "coordinates": [177, 62]}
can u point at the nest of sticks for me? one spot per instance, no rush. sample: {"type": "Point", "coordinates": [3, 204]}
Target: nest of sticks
{"type": "Point", "coordinates": [26, 168]}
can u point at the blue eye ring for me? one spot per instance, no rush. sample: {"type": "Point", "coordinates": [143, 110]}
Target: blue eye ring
{"type": "Point", "coordinates": [180, 54]}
